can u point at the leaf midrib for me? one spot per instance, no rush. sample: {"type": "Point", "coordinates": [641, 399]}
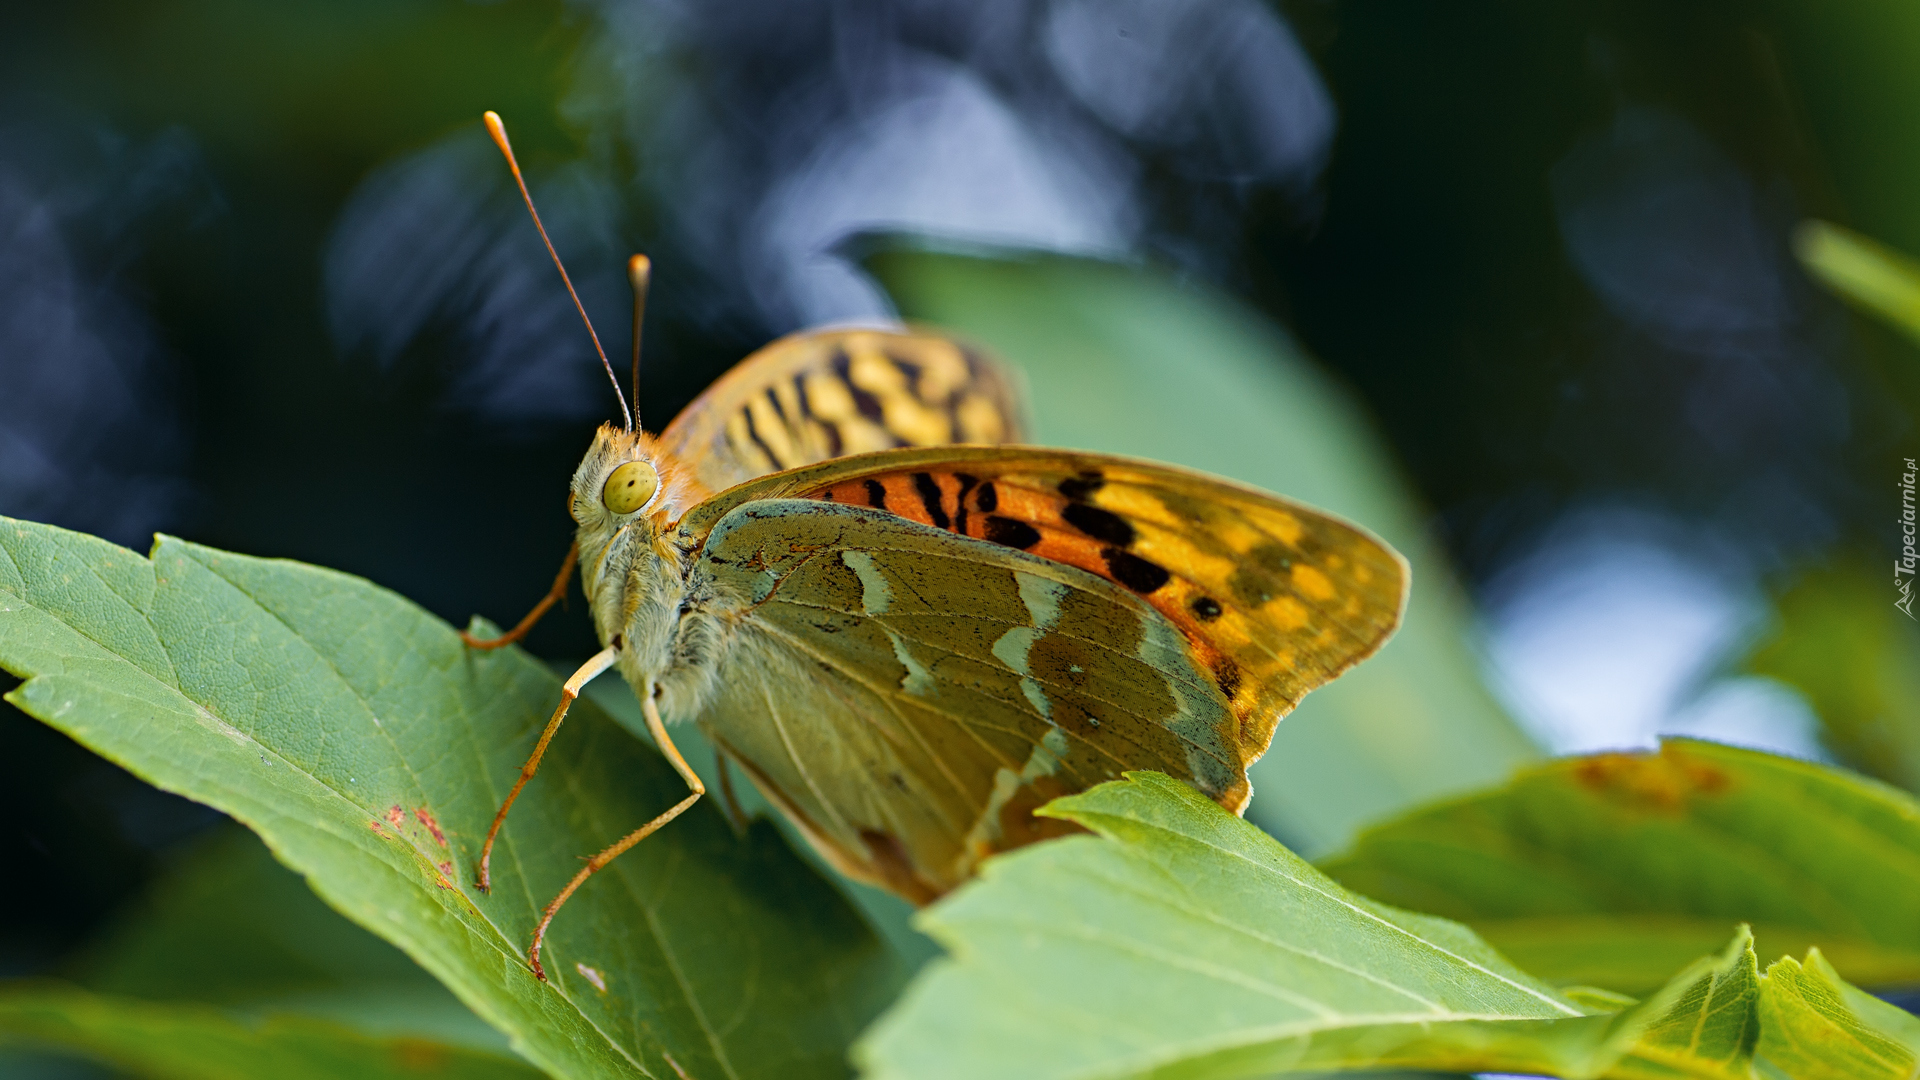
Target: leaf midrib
{"type": "Point", "coordinates": [1161, 900]}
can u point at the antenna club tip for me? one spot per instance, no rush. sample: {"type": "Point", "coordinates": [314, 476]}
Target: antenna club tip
{"type": "Point", "coordinates": [496, 128]}
{"type": "Point", "coordinates": [639, 268]}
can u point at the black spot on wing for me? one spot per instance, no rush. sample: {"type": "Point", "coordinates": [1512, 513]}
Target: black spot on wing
{"type": "Point", "coordinates": [988, 500]}
{"type": "Point", "coordinates": [1133, 571]}
{"type": "Point", "coordinates": [1077, 488]}
{"type": "Point", "coordinates": [967, 483]}
{"type": "Point", "coordinates": [1100, 524]}
{"type": "Point", "coordinates": [876, 494]}
{"type": "Point", "coordinates": [1010, 532]}
{"type": "Point", "coordinates": [1205, 608]}
{"type": "Point", "coordinates": [1228, 676]}
{"type": "Point", "coordinates": [925, 486]}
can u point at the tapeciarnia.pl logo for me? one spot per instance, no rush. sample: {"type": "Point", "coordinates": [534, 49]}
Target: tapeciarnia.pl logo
{"type": "Point", "coordinates": [1904, 565]}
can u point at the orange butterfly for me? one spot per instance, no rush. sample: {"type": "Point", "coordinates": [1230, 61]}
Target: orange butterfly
{"type": "Point", "coordinates": [910, 644]}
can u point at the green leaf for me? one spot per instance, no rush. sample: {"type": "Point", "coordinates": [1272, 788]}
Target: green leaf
{"type": "Point", "coordinates": [199, 1042]}
{"type": "Point", "coordinates": [1180, 941]}
{"type": "Point", "coordinates": [1613, 869]}
{"type": "Point", "coordinates": [1184, 941]}
{"type": "Point", "coordinates": [1874, 276]}
{"type": "Point", "coordinates": [355, 734]}
{"type": "Point", "coordinates": [1130, 361]}
{"type": "Point", "coordinates": [1840, 641]}
{"type": "Point", "coordinates": [1814, 1027]}
{"type": "Point", "coordinates": [1701, 1023]}
{"type": "Point", "coordinates": [1722, 1020]}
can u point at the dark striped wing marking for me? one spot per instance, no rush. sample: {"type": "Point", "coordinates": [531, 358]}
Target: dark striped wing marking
{"type": "Point", "coordinates": [814, 396]}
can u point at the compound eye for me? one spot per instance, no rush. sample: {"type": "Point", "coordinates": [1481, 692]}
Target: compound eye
{"type": "Point", "coordinates": [630, 487]}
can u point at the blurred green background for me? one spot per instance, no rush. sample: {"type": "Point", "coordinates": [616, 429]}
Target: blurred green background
{"type": "Point", "coordinates": [1510, 284]}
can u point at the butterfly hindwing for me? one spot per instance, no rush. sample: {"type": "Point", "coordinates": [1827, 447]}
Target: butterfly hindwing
{"type": "Point", "coordinates": [814, 396]}
{"type": "Point", "coordinates": [910, 696]}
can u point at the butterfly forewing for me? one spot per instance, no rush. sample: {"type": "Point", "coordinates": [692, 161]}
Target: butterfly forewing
{"type": "Point", "coordinates": [999, 625]}
{"type": "Point", "coordinates": [820, 395]}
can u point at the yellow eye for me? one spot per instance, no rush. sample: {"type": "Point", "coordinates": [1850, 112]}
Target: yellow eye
{"type": "Point", "coordinates": [629, 488]}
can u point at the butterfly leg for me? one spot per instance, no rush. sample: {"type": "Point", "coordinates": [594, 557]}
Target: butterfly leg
{"type": "Point", "coordinates": [554, 596]}
{"type": "Point", "coordinates": [601, 661]}
{"type": "Point", "coordinates": [614, 851]}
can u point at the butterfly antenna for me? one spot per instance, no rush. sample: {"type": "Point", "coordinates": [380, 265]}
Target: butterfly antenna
{"type": "Point", "coordinates": [499, 132]}
{"type": "Point", "coordinates": [639, 271]}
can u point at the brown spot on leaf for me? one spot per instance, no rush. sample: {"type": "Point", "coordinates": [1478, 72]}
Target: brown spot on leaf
{"type": "Point", "coordinates": [396, 817]}
{"type": "Point", "coordinates": [1665, 782]}
{"type": "Point", "coordinates": [432, 826]}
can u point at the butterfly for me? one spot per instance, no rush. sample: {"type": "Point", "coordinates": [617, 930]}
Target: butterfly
{"type": "Point", "coordinates": [910, 632]}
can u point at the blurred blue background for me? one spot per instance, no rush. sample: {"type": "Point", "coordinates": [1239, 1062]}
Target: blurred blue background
{"type": "Point", "coordinates": [1511, 284]}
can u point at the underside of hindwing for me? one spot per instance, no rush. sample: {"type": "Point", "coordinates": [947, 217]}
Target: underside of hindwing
{"type": "Point", "coordinates": [910, 695]}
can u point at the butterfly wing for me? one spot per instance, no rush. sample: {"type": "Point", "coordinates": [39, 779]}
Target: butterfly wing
{"type": "Point", "coordinates": [953, 636]}
{"type": "Point", "coordinates": [909, 696]}
{"type": "Point", "coordinates": [814, 396]}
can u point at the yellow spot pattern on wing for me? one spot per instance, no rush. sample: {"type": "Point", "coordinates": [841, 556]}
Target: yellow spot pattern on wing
{"type": "Point", "coordinates": [1312, 583]}
{"type": "Point", "coordinates": [812, 397]}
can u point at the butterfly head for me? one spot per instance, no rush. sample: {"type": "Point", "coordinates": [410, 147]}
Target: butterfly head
{"type": "Point", "coordinates": [626, 481]}
{"type": "Point", "coordinates": [625, 496]}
